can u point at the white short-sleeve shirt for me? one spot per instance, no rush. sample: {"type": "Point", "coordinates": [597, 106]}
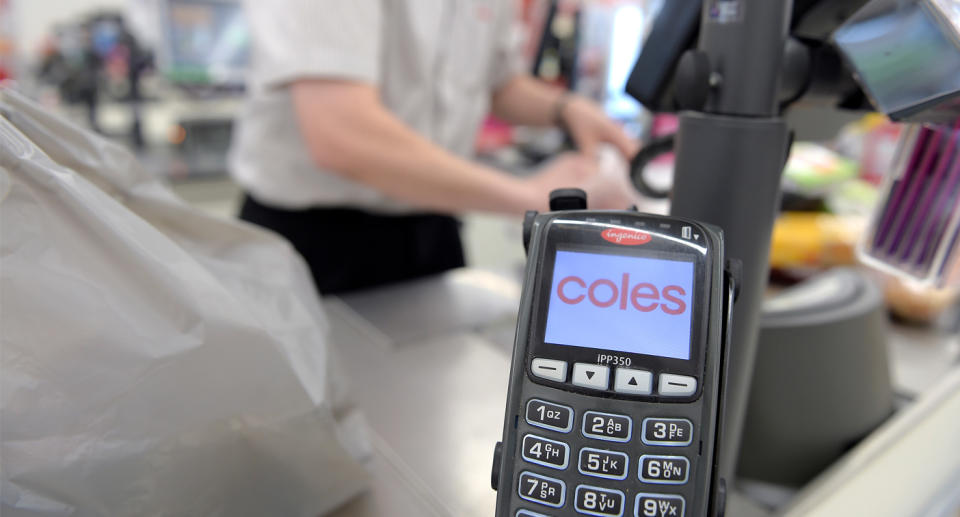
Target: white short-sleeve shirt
{"type": "Point", "coordinates": [435, 62]}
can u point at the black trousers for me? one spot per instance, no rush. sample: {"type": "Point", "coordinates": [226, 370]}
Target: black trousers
{"type": "Point", "coordinates": [350, 249]}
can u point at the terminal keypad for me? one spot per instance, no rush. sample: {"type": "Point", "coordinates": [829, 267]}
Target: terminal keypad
{"type": "Point", "coordinates": [594, 466]}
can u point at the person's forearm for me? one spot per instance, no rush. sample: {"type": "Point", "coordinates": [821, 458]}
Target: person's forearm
{"type": "Point", "coordinates": [527, 101]}
{"type": "Point", "coordinates": [358, 139]}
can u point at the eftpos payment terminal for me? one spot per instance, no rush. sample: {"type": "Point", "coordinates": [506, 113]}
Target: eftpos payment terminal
{"type": "Point", "coordinates": [614, 400]}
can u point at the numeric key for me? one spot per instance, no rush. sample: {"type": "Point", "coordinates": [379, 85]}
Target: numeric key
{"type": "Point", "coordinates": [542, 451]}
{"type": "Point", "coordinates": [607, 426]}
{"type": "Point", "coordinates": [664, 470]}
{"type": "Point", "coordinates": [603, 502]}
{"type": "Point", "coordinates": [670, 432]}
{"type": "Point", "coordinates": [659, 505]}
{"type": "Point", "coordinates": [549, 415]}
{"type": "Point", "coordinates": [528, 513]}
{"type": "Point", "coordinates": [541, 489]}
{"type": "Point", "coordinates": [603, 464]}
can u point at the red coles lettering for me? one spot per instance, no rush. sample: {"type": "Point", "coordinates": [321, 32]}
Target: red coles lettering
{"type": "Point", "coordinates": [642, 296]}
{"type": "Point", "coordinates": [560, 292]}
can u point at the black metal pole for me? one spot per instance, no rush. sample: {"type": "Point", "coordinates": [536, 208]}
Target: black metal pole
{"type": "Point", "coordinates": [730, 159]}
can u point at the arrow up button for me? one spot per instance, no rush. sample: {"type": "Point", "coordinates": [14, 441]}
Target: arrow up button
{"type": "Point", "coordinates": [593, 376]}
{"type": "Point", "coordinates": [633, 382]}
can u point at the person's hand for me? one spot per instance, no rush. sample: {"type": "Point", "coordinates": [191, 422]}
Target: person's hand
{"type": "Point", "coordinates": [605, 187]}
{"type": "Point", "coordinates": [567, 170]}
{"type": "Point", "coordinates": [589, 126]}
{"type": "Point", "coordinates": [611, 186]}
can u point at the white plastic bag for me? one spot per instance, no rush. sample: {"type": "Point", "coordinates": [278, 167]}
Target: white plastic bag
{"type": "Point", "coordinates": [153, 360]}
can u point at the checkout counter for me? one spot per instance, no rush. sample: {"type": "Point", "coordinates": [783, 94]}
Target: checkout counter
{"type": "Point", "coordinates": [428, 362]}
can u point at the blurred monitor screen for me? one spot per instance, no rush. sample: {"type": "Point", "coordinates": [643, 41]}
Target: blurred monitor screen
{"type": "Point", "coordinates": [907, 56]}
{"type": "Point", "coordinates": [105, 37]}
{"type": "Point", "coordinates": [627, 36]}
{"type": "Point", "coordinates": [611, 38]}
{"type": "Point", "coordinates": [208, 42]}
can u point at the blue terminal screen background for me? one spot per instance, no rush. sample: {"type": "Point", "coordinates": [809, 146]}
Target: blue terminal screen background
{"type": "Point", "coordinates": [589, 308]}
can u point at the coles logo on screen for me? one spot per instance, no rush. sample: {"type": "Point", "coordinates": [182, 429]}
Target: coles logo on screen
{"type": "Point", "coordinates": [640, 296]}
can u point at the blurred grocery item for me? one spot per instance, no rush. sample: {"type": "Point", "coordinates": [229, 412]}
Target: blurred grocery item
{"type": "Point", "coordinates": [814, 240]}
{"type": "Point", "coordinates": [7, 34]}
{"type": "Point", "coordinates": [916, 303]}
{"type": "Point", "coordinates": [915, 230]}
{"type": "Point", "coordinates": [855, 197]}
{"type": "Point", "coordinates": [813, 168]}
{"type": "Point", "coordinates": [872, 142]}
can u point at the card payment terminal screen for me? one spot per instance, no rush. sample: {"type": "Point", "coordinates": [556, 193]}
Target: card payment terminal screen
{"type": "Point", "coordinates": [627, 304]}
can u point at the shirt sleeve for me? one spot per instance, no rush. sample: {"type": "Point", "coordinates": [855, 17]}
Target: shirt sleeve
{"type": "Point", "coordinates": [509, 60]}
{"type": "Point", "coordinates": [296, 39]}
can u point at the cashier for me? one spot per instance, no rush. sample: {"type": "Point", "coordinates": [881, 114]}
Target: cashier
{"type": "Point", "coordinates": [356, 137]}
